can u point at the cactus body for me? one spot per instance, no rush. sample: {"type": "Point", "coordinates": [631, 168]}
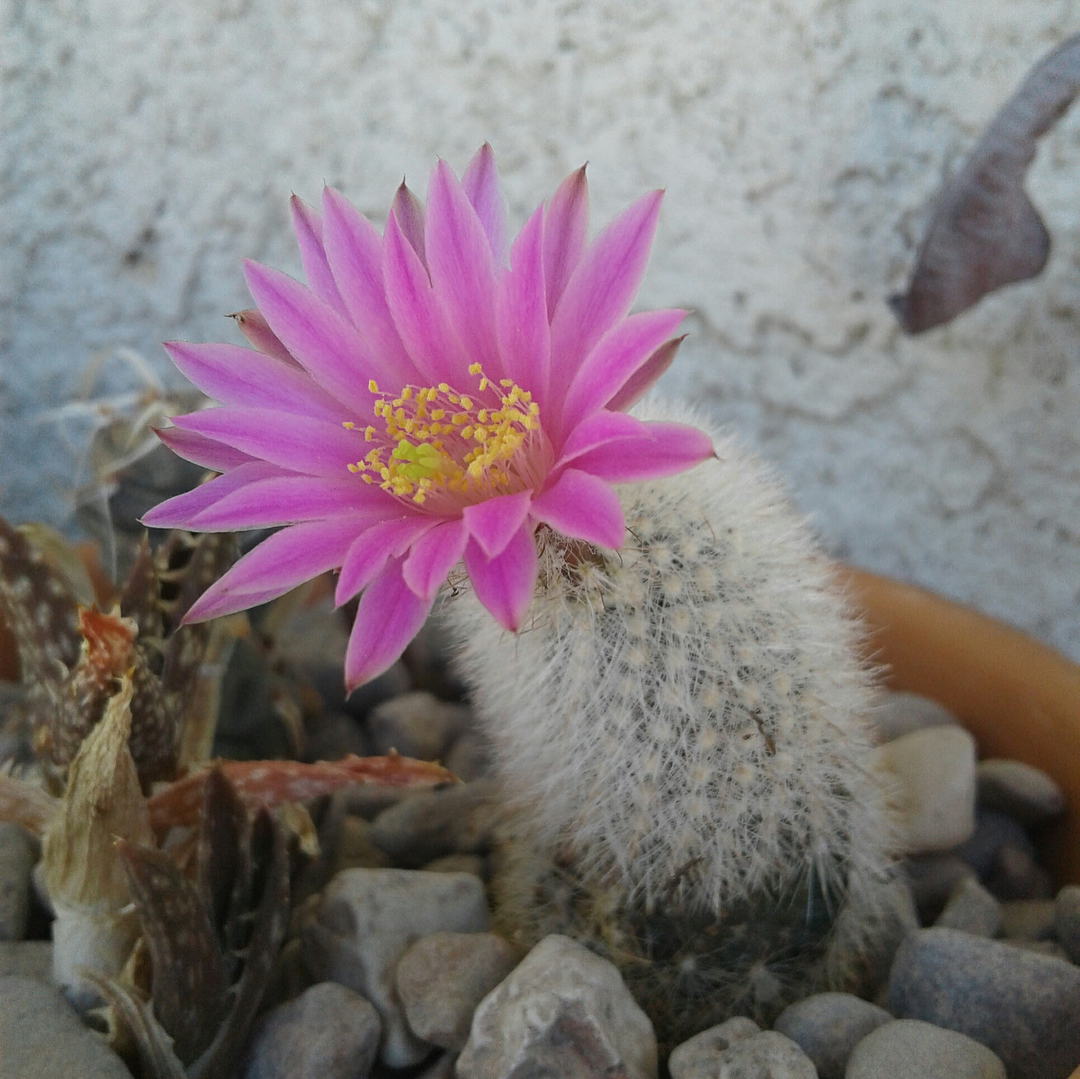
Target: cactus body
{"type": "Point", "coordinates": [679, 731]}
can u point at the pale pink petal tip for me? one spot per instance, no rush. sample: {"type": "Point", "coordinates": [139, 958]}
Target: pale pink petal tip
{"type": "Point", "coordinates": [504, 584]}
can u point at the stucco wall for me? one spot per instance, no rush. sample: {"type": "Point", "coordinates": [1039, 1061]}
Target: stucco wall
{"type": "Point", "coordinates": [148, 146]}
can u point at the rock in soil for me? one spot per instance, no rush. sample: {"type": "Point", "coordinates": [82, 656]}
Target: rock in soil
{"type": "Point", "coordinates": [897, 714]}
{"type": "Point", "coordinates": [18, 855]}
{"type": "Point", "coordinates": [971, 909]}
{"type": "Point", "coordinates": [936, 770]}
{"type": "Point", "coordinates": [1016, 874]}
{"type": "Point", "coordinates": [417, 725]}
{"type": "Point", "coordinates": [933, 879]}
{"type": "Point", "coordinates": [993, 831]}
{"type": "Point", "coordinates": [562, 1012]}
{"type": "Point", "coordinates": [41, 1037]}
{"type": "Point", "coordinates": [442, 978]}
{"type": "Point", "coordinates": [697, 1054]}
{"type": "Point", "coordinates": [1067, 921]}
{"type": "Point", "coordinates": [910, 1049]}
{"type": "Point", "coordinates": [1024, 792]}
{"type": "Point", "coordinates": [327, 1032]}
{"type": "Point", "coordinates": [469, 757]}
{"type": "Point", "coordinates": [366, 921]}
{"type": "Point", "coordinates": [766, 1054]}
{"type": "Point", "coordinates": [27, 959]}
{"type": "Point", "coordinates": [828, 1026]}
{"type": "Point", "coordinates": [459, 863]}
{"type": "Point", "coordinates": [1020, 1004]}
{"type": "Point", "coordinates": [1028, 919]}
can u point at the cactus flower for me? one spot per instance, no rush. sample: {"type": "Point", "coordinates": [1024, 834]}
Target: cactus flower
{"type": "Point", "coordinates": [433, 395]}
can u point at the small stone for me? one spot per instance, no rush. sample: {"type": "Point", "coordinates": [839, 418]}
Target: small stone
{"type": "Point", "coordinates": [1040, 947]}
{"type": "Point", "coordinates": [828, 1026]}
{"type": "Point", "coordinates": [562, 1012]}
{"type": "Point", "coordinates": [327, 1032]}
{"type": "Point", "coordinates": [993, 830]}
{"type": "Point", "coordinates": [41, 1036]}
{"type": "Point", "coordinates": [366, 921]}
{"type": "Point", "coordinates": [18, 855]}
{"type": "Point", "coordinates": [933, 879]}
{"type": "Point", "coordinates": [936, 769]}
{"type": "Point", "coordinates": [1067, 921]}
{"type": "Point", "coordinates": [1021, 790]}
{"type": "Point", "coordinates": [469, 757]}
{"type": "Point", "coordinates": [26, 959]}
{"type": "Point", "coordinates": [455, 820]}
{"type": "Point", "coordinates": [766, 1054]}
{"type": "Point", "coordinates": [393, 682]}
{"type": "Point", "coordinates": [333, 735]}
{"type": "Point", "coordinates": [971, 909]}
{"type": "Point", "coordinates": [354, 849]}
{"type": "Point", "coordinates": [459, 863]}
{"type": "Point", "coordinates": [1028, 919]}
{"type": "Point", "coordinates": [1016, 874]}
{"type": "Point", "coordinates": [1020, 1004]}
{"type": "Point", "coordinates": [417, 725]}
{"type": "Point", "coordinates": [910, 1048]}
{"type": "Point", "coordinates": [699, 1053]}
{"type": "Point", "coordinates": [898, 713]}
{"type": "Point", "coordinates": [442, 978]}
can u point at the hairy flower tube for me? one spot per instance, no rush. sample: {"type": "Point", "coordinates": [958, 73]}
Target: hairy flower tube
{"type": "Point", "coordinates": [433, 394]}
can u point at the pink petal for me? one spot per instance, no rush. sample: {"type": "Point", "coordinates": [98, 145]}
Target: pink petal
{"type": "Point", "coordinates": [583, 507]}
{"type": "Point", "coordinates": [504, 585]}
{"type": "Point", "coordinates": [597, 429]}
{"type": "Point", "coordinates": [239, 376]}
{"type": "Point", "coordinates": [372, 548]}
{"type": "Point", "coordinates": [257, 330]}
{"type": "Point", "coordinates": [282, 500]}
{"type": "Point", "coordinates": [602, 286]}
{"type": "Point", "coordinates": [307, 225]}
{"type": "Point", "coordinates": [646, 375]}
{"type": "Point", "coordinates": [281, 562]}
{"type": "Point", "coordinates": [389, 616]}
{"type": "Point", "coordinates": [328, 347]}
{"type": "Point", "coordinates": [297, 443]}
{"type": "Point", "coordinates": [494, 522]}
{"type": "Point", "coordinates": [354, 251]}
{"type": "Point", "coordinates": [666, 449]}
{"type": "Point", "coordinates": [616, 358]}
{"type": "Point", "coordinates": [566, 221]}
{"type": "Point", "coordinates": [433, 555]}
{"type": "Point", "coordinates": [418, 316]}
{"type": "Point", "coordinates": [521, 312]}
{"type": "Point", "coordinates": [408, 213]}
{"type": "Point", "coordinates": [178, 511]}
{"type": "Point", "coordinates": [481, 183]}
{"type": "Point", "coordinates": [201, 450]}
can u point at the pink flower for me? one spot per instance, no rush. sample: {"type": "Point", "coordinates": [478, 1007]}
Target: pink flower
{"type": "Point", "coordinates": [433, 395]}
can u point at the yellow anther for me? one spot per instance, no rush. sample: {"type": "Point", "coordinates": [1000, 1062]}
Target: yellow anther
{"type": "Point", "coordinates": [475, 369]}
{"type": "Point", "coordinates": [348, 425]}
{"type": "Point", "coordinates": [373, 386]}
{"type": "Point", "coordinates": [443, 388]}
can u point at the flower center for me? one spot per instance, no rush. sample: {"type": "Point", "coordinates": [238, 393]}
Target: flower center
{"type": "Point", "coordinates": [437, 439]}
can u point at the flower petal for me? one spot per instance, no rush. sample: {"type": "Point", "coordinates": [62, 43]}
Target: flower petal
{"type": "Point", "coordinates": [297, 443]}
{"type": "Point", "coordinates": [256, 329]}
{"type": "Point", "coordinates": [420, 320]}
{"type": "Point", "coordinates": [616, 358]}
{"type": "Point", "coordinates": [307, 225]}
{"type": "Point", "coordinates": [504, 584]}
{"type": "Point", "coordinates": [597, 429]}
{"type": "Point", "coordinates": [433, 555]}
{"type": "Point", "coordinates": [494, 522]}
{"type": "Point", "coordinates": [566, 222]}
{"type": "Point", "coordinates": [281, 562]}
{"type": "Point", "coordinates": [240, 376]}
{"type": "Point", "coordinates": [373, 547]}
{"type": "Point", "coordinates": [389, 616]}
{"type": "Point", "coordinates": [666, 449]}
{"type": "Point", "coordinates": [177, 512]}
{"type": "Point", "coordinates": [202, 450]}
{"type": "Point", "coordinates": [521, 312]}
{"type": "Point", "coordinates": [583, 507]}
{"type": "Point", "coordinates": [408, 214]}
{"type": "Point", "coordinates": [481, 183]}
{"type": "Point", "coordinates": [462, 271]}
{"type": "Point", "coordinates": [328, 347]}
{"type": "Point", "coordinates": [602, 286]}
{"type": "Point", "coordinates": [646, 375]}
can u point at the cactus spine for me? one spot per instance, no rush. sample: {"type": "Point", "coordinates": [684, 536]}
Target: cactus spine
{"type": "Point", "coordinates": [679, 732]}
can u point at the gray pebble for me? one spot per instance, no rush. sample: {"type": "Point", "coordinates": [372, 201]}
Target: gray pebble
{"type": "Point", "coordinates": [767, 1055]}
{"type": "Point", "coordinates": [469, 757]}
{"type": "Point", "coordinates": [353, 848]}
{"type": "Point", "coordinates": [1067, 921]}
{"type": "Point", "coordinates": [456, 820]}
{"type": "Point", "coordinates": [459, 863]}
{"type": "Point", "coordinates": [972, 909]}
{"type": "Point", "coordinates": [1017, 874]}
{"type": "Point", "coordinates": [933, 879]}
{"type": "Point", "coordinates": [562, 1012]}
{"type": "Point", "coordinates": [910, 1049]}
{"type": "Point", "coordinates": [993, 830]}
{"type": "Point", "coordinates": [699, 1053]}
{"type": "Point", "coordinates": [27, 959]}
{"type": "Point", "coordinates": [443, 977]}
{"type": "Point", "coordinates": [1020, 1004]}
{"type": "Point", "coordinates": [828, 1026]}
{"type": "Point", "coordinates": [368, 918]}
{"type": "Point", "coordinates": [41, 1037]}
{"type": "Point", "coordinates": [327, 1032]}
{"type": "Point", "coordinates": [1021, 790]}
{"type": "Point", "coordinates": [18, 855]}
{"type": "Point", "coordinates": [936, 772]}
{"type": "Point", "coordinates": [1028, 919]}
{"type": "Point", "coordinates": [417, 725]}
{"type": "Point", "coordinates": [898, 713]}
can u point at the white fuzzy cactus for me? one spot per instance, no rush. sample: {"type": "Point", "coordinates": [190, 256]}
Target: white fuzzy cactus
{"type": "Point", "coordinates": [680, 731]}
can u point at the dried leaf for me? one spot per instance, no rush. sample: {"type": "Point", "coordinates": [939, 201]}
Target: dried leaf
{"type": "Point", "coordinates": [25, 803]}
{"type": "Point", "coordinates": [984, 232]}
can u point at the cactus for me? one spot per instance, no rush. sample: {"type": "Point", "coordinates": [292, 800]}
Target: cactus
{"type": "Point", "coordinates": [680, 734]}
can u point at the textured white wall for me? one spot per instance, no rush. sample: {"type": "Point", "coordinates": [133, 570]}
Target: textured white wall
{"type": "Point", "coordinates": [147, 146]}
